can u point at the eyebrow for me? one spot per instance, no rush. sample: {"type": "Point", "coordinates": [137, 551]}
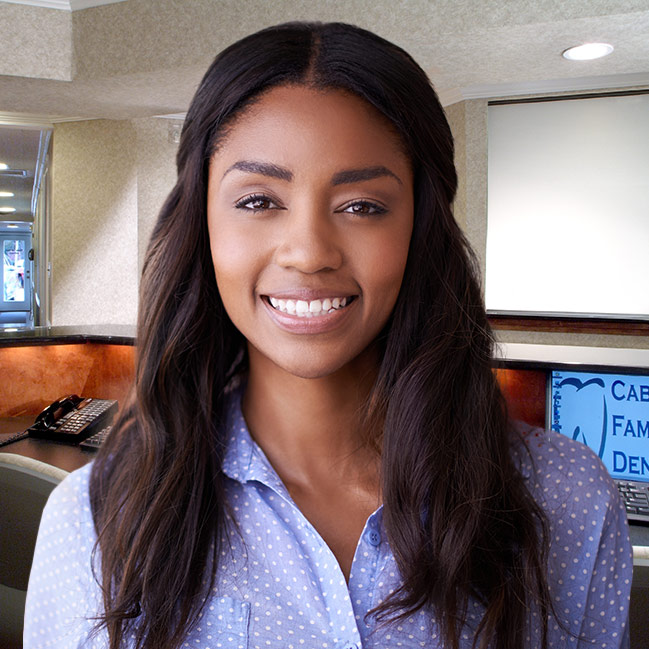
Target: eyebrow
{"type": "Point", "coordinates": [263, 168]}
{"type": "Point", "coordinates": [341, 178]}
{"type": "Point", "coordinates": [366, 173]}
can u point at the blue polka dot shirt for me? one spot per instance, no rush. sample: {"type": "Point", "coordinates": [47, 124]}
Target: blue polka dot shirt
{"type": "Point", "coordinates": [279, 585]}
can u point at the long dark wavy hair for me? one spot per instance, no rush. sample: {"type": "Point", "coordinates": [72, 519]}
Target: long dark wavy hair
{"type": "Point", "coordinates": [460, 519]}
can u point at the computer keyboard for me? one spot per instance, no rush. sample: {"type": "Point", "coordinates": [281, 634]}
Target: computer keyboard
{"type": "Point", "coordinates": [636, 499]}
{"type": "Point", "coordinates": [95, 441]}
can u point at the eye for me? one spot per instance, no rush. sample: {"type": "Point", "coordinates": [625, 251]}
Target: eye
{"type": "Point", "coordinates": [364, 208]}
{"type": "Point", "coordinates": [256, 203]}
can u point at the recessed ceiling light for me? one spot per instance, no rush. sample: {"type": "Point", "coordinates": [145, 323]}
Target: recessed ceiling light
{"type": "Point", "coordinates": [7, 210]}
{"type": "Point", "coordinates": [587, 51]}
{"type": "Point", "coordinates": [6, 194]}
{"type": "Point", "coordinates": [4, 166]}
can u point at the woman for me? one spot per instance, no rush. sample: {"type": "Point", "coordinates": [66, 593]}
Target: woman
{"type": "Point", "coordinates": [317, 453]}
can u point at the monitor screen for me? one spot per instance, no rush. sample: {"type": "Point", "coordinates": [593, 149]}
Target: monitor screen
{"type": "Point", "coordinates": [607, 412]}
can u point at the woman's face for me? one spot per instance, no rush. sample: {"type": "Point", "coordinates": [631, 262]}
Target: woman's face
{"type": "Point", "coordinates": [310, 213]}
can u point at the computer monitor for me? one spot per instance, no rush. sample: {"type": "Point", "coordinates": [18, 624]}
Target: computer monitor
{"type": "Point", "coordinates": [609, 413]}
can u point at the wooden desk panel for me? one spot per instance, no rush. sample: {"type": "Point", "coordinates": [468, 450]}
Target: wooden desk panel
{"type": "Point", "coordinates": [34, 376]}
{"type": "Point", "coordinates": [525, 394]}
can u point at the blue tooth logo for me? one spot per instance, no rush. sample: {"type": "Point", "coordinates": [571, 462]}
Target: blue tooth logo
{"type": "Point", "coordinates": [579, 384]}
{"type": "Point", "coordinates": [577, 433]}
{"type": "Point", "coordinates": [602, 441]}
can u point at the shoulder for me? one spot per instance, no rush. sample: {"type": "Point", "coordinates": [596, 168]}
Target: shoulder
{"type": "Point", "coordinates": [74, 487]}
{"type": "Point", "coordinates": [589, 554]}
{"type": "Point", "coordinates": [69, 505]}
{"type": "Point", "coordinates": [66, 536]}
{"type": "Point", "coordinates": [63, 597]}
{"type": "Point", "coordinates": [564, 475]}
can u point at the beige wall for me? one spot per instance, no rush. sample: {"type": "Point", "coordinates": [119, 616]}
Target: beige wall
{"type": "Point", "coordinates": [456, 116]}
{"type": "Point", "coordinates": [109, 181]}
{"type": "Point", "coordinates": [156, 173]}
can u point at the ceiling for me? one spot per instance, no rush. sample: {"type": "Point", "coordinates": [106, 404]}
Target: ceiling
{"type": "Point", "coordinates": [134, 58]}
{"type": "Point", "coordinates": [65, 5]}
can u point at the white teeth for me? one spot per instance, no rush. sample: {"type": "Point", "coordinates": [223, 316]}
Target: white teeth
{"type": "Point", "coordinates": [301, 307]}
{"type": "Point", "coordinates": [305, 309]}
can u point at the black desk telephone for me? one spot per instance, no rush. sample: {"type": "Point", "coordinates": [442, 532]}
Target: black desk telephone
{"type": "Point", "coordinates": [72, 419]}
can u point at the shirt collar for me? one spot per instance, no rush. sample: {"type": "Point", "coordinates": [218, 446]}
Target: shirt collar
{"type": "Point", "coordinates": [244, 460]}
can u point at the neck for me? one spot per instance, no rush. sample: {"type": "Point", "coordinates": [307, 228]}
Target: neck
{"type": "Point", "coordinates": [311, 428]}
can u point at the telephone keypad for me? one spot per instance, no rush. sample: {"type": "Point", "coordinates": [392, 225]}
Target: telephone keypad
{"type": "Point", "coordinates": [90, 416]}
{"type": "Point", "coordinates": [79, 418]}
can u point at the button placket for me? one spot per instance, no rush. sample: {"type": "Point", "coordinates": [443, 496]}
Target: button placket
{"type": "Point", "coordinates": [362, 581]}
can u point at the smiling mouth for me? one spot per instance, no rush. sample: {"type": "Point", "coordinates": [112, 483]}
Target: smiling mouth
{"type": "Point", "coordinates": [309, 308]}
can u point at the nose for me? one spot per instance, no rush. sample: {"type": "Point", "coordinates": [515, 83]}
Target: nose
{"type": "Point", "coordinates": [309, 242]}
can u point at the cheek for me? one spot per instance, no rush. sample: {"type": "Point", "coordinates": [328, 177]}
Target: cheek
{"type": "Point", "coordinates": [386, 260]}
{"type": "Point", "coordinates": [234, 257]}
{"type": "Point", "coordinates": [231, 273]}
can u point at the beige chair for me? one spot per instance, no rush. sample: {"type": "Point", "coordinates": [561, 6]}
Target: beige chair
{"type": "Point", "coordinates": [640, 590]}
{"type": "Point", "coordinates": [639, 626]}
{"type": "Point", "coordinates": [25, 485]}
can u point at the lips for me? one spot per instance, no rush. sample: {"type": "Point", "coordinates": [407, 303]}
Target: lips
{"type": "Point", "coordinates": [309, 308]}
{"type": "Point", "coordinates": [309, 311]}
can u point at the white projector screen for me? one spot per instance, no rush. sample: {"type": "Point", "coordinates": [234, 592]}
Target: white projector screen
{"type": "Point", "coordinates": [568, 207]}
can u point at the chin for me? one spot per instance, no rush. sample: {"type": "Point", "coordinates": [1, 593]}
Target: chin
{"type": "Point", "coordinates": [309, 361]}
{"type": "Point", "coordinates": [321, 366]}
{"type": "Point", "coordinates": [312, 370]}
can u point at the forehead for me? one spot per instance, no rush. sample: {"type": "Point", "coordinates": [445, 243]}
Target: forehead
{"type": "Point", "coordinates": [298, 122]}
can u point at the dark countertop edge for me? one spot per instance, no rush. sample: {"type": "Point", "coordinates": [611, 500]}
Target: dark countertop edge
{"type": "Point", "coordinates": [521, 364]}
{"type": "Point", "coordinates": [110, 334]}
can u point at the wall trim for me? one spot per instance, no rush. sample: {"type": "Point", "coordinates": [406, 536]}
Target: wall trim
{"type": "Point", "coordinates": [572, 85]}
{"type": "Point", "coordinates": [64, 5]}
{"type": "Point", "coordinates": [16, 119]}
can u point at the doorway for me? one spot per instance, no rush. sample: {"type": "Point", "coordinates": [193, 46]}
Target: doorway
{"type": "Point", "coordinates": [16, 275]}
{"type": "Point", "coordinates": [25, 280]}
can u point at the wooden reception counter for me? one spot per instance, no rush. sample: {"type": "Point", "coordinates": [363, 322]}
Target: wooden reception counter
{"type": "Point", "coordinates": [42, 364]}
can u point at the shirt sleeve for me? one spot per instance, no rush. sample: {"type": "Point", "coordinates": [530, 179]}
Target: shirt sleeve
{"type": "Point", "coordinates": [590, 560]}
{"type": "Point", "coordinates": [606, 616]}
{"type": "Point", "coordinates": [63, 596]}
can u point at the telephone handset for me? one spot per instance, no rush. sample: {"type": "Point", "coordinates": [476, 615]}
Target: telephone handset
{"type": "Point", "coordinates": [55, 411]}
{"type": "Point", "coordinates": [72, 419]}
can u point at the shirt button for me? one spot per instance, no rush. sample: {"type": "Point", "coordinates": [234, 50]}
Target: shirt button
{"type": "Point", "coordinates": [351, 645]}
{"type": "Point", "coordinates": [373, 537]}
